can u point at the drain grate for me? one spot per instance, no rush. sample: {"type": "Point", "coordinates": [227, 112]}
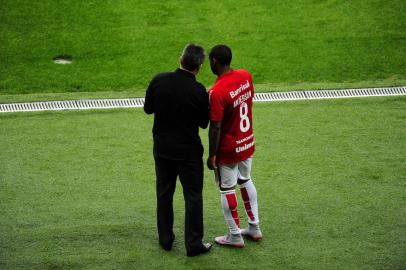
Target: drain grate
{"type": "Point", "coordinates": [328, 94]}
{"type": "Point", "coordinates": [72, 105]}
{"type": "Point", "coordinates": [139, 102]}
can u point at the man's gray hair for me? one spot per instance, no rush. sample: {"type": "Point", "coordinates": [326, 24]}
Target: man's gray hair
{"type": "Point", "coordinates": [192, 57]}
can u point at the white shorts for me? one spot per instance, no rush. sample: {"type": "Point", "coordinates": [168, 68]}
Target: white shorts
{"type": "Point", "coordinates": [227, 175]}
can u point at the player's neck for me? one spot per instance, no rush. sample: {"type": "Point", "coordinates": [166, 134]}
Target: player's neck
{"type": "Point", "coordinates": [223, 70]}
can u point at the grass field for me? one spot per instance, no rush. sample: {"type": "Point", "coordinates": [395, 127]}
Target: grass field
{"type": "Point", "coordinates": [119, 45]}
{"type": "Point", "coordinates": [77, 190]}
{"type": "Point", "coordinates": [77, 187]}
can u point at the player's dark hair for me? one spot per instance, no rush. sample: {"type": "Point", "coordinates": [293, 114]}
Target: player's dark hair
{"type": "Point", "coordinates": [222, 53]}
{"type": "Point", "coordinates": [192, 57]}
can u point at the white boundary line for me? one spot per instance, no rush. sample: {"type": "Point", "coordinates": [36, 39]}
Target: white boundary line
{"type": "Point", "coordinates": [259, 97]}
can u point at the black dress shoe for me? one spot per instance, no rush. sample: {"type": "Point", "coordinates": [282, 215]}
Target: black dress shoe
{"type": "Point", "coordinates": [205, 247]}
{"type": "Point", "coordinates": [166, 247]}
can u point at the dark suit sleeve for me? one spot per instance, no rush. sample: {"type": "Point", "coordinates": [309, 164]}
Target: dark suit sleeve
{"type": "Point", "coordinates": [149, 98]}
{"type": "Point", "coordinates": [204, 107]}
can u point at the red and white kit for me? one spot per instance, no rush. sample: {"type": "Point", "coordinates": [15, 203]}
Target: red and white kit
{"type": "Point", "coordinates": [231, 104]}
{"type": "Point", "coordinates": [231, 100]}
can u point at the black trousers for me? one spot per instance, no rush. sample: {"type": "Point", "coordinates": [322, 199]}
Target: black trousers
{"type": "Point", "coordinates": [190, 174]}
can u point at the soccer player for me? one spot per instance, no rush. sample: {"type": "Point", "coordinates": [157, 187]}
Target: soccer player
{"type": "Point", "coordinates": [180, 106]}
{"type": "Point", "coordinates": [231, 145]}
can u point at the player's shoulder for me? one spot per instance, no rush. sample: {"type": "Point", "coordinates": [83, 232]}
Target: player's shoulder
{"type": "Point", "coordinates": [243, 72]}
{"type": "Point", "coordinates": [217, 88]}
{"type": "Point", "coordinates": [214, 91]}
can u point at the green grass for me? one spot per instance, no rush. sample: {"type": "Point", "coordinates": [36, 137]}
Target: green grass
{"type": "Point", "coordinates": [119, 45]}
{"type": "Point", "coordinates": [77, 190]}
{"type": "Point", "coordinates": [33, 97]}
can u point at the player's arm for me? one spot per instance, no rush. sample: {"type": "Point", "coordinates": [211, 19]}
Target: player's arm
{"type": "Point", "coordinates": [214, 140]}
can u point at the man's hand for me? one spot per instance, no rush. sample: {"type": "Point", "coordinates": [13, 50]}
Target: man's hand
{"type": "Point", "coordinates": [211, 163]}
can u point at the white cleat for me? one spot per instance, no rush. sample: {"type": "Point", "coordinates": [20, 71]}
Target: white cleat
{"type": "Point", "coordinates": [234, 240]}
{"type": "Point", "coordinates": [253, 232]}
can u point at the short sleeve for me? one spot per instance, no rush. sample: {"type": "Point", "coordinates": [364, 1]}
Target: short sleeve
{"type": "Point", "coordinates": [216, 106]}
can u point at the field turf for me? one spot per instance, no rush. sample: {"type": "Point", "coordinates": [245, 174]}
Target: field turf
{"type": "Point", "coordinates": [117, 46]}
{"type": "Point", "coordinates": [77, 190]}
{"type": "Point", "coordinates": [77, 187]}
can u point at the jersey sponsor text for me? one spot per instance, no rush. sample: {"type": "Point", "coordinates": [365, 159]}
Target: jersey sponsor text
{"type": "Point", "coordinates": [245, 139]}
{"type": "Point", "coordinates": [244, 147]}
{"type": "Point", "coordinates": [242, 87]}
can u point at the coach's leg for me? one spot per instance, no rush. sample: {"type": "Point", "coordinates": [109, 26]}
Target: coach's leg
{"type": "Point", "coordinates": [191, 177]}
{"type": "Point", "coordinates": [166, 173]}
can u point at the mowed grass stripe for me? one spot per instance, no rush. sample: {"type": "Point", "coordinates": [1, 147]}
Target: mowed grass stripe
{"type": "Point", "coordinates": [77, 190]}
{"type": "Point", "coordinates": [120, 45]}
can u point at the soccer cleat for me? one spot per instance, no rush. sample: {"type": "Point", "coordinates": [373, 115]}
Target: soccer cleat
{"type": "Point", "coordinates": [234, 240]}
{"type": "Point", "coordinates": [253, 232]}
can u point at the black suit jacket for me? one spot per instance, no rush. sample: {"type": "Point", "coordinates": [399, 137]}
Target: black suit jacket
{"type": "Point", "coordinates": [180, 106]}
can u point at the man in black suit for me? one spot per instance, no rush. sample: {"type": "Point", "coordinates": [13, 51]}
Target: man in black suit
{"type": "Point", "coordinates": [180, 106]}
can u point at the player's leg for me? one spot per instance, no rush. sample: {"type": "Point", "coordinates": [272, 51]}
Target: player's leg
{"type": "Point", "coordinates": [249, 196]}
{"type": "Point", "coordinates": [227, 177]}
{"type": "Point", "coordinates": [191, 177]}
{"type": "Point", "coordinates": [166, 173]}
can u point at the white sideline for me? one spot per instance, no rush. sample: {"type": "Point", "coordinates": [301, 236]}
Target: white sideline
{"type": "Point", "coordinates": [259, 97]}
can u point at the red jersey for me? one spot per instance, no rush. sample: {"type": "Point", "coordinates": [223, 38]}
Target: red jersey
{"type": "Point", "coordinates": [231, 104]}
